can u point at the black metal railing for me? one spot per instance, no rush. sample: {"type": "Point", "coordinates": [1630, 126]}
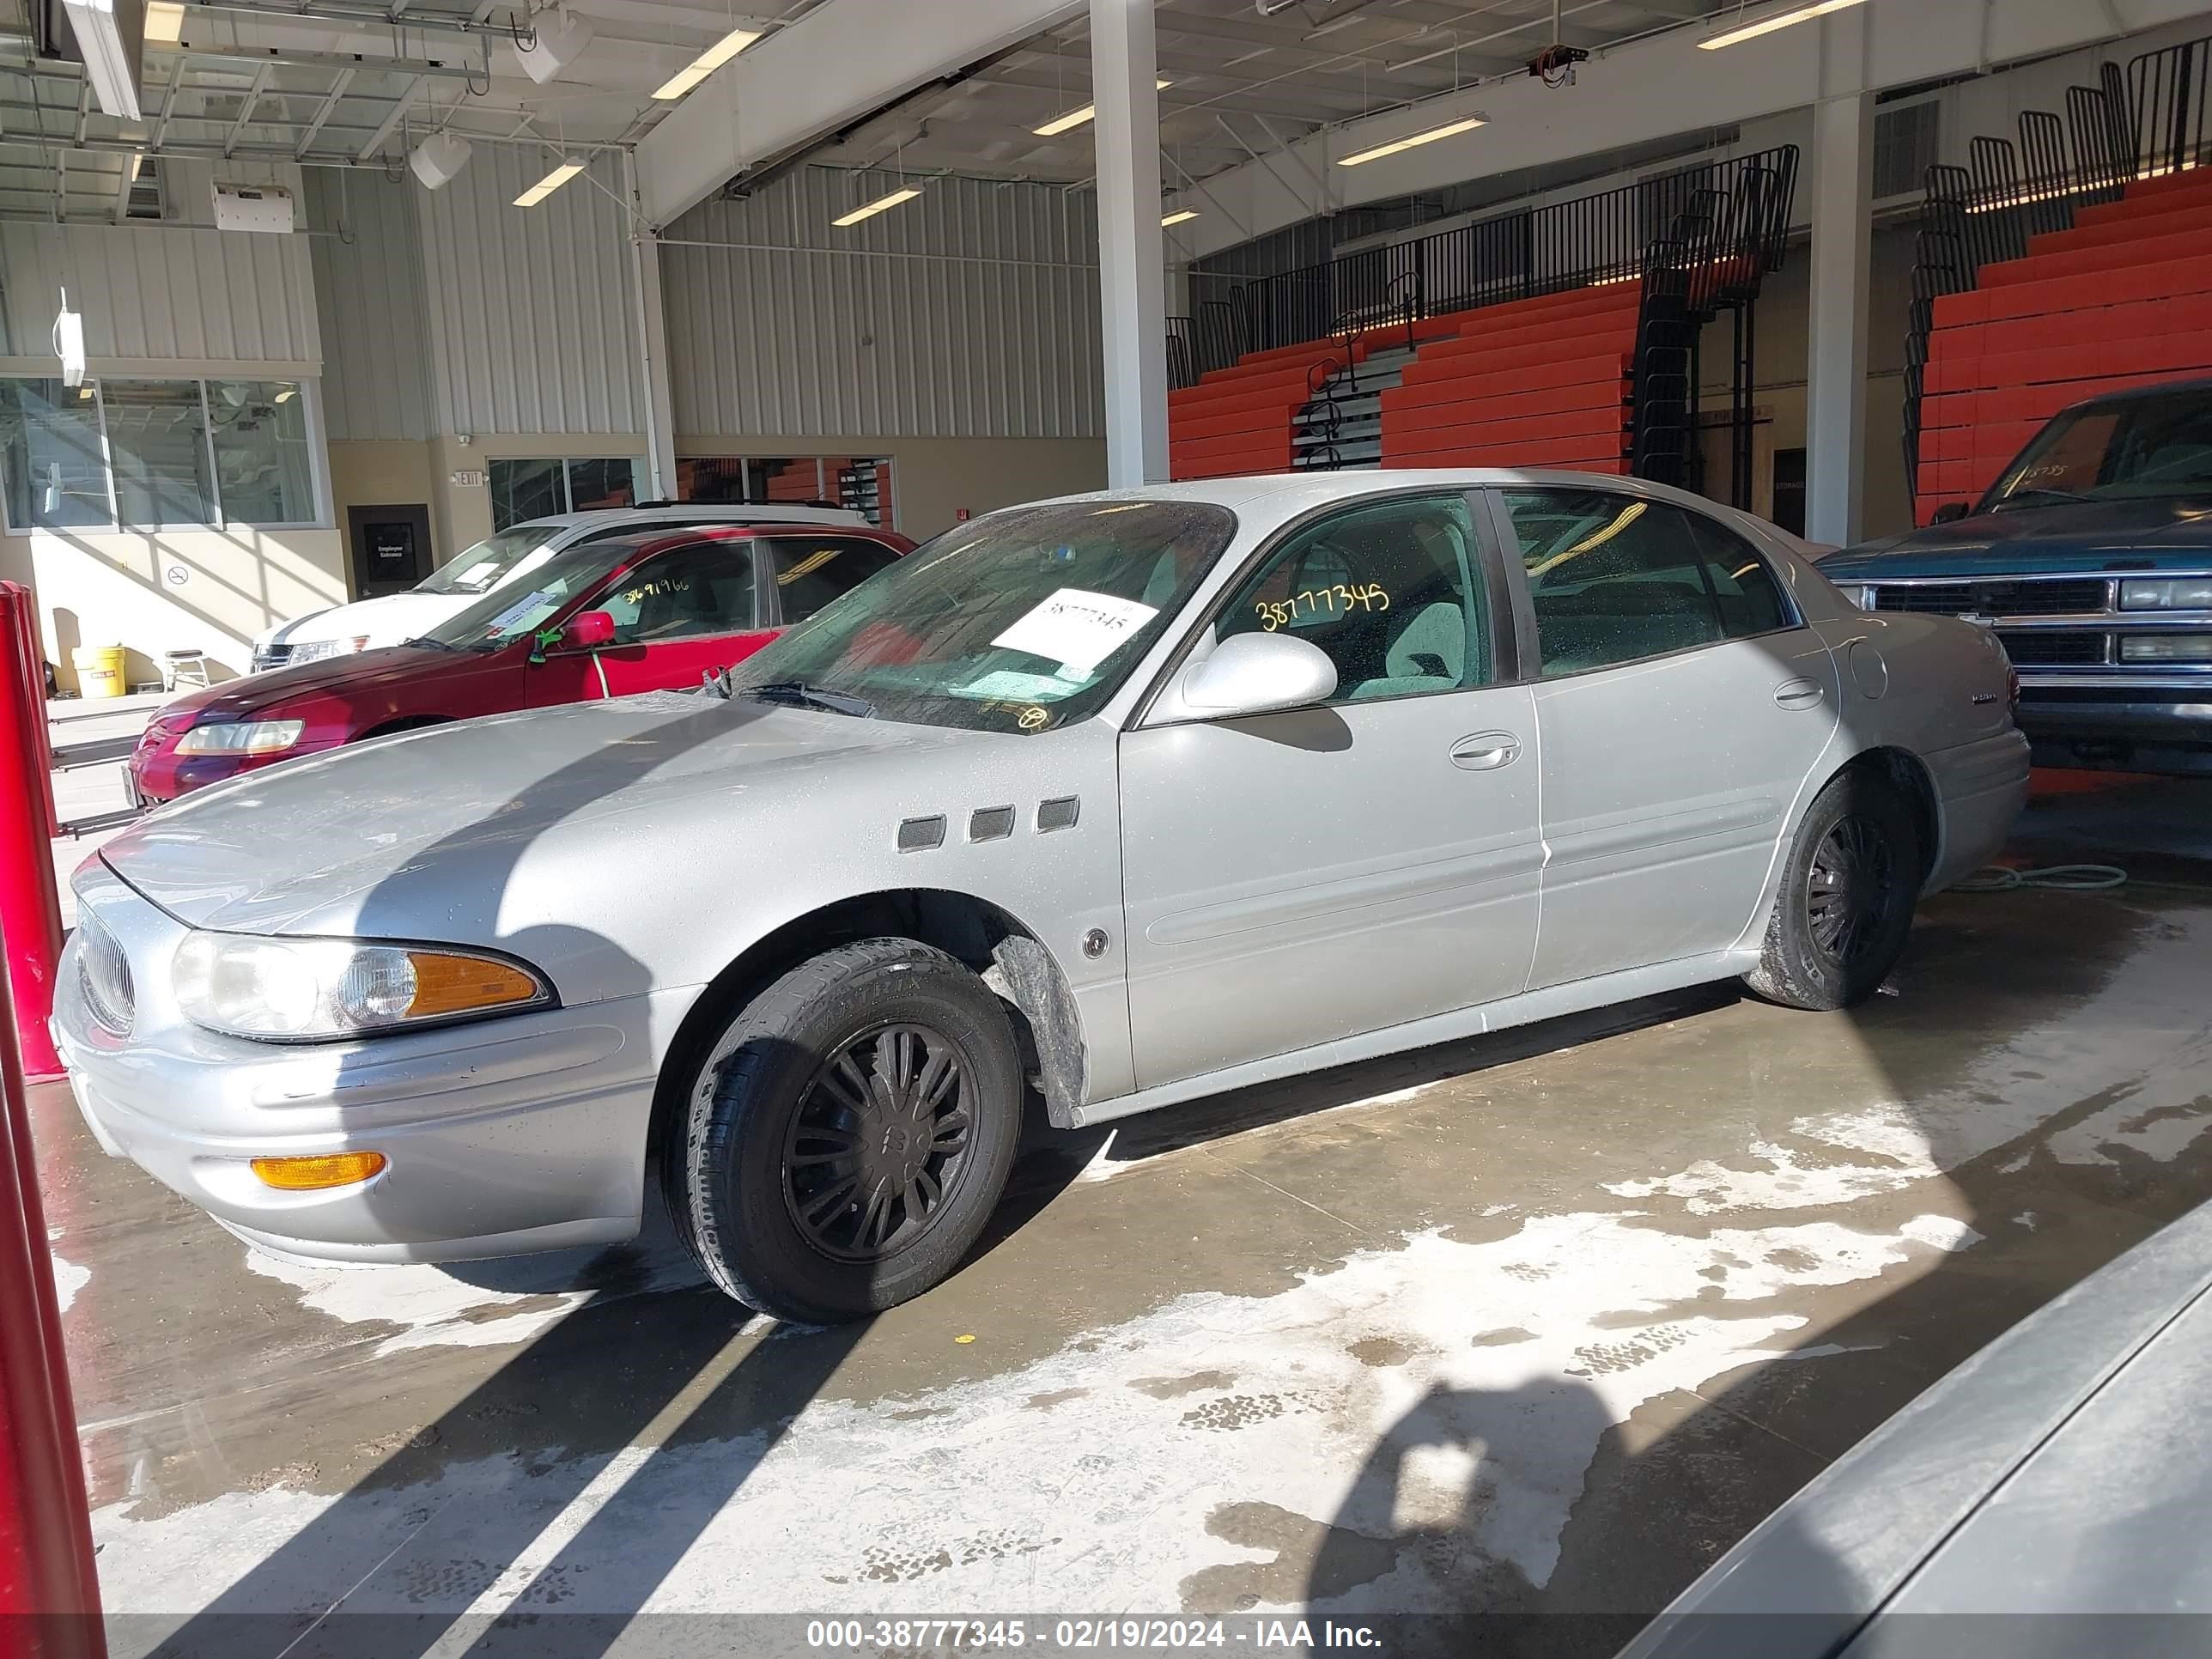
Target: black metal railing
{"type": "Point", "coordinates": [2147, 119]}
{"type": "Point", "coordinates": [1511, 256]}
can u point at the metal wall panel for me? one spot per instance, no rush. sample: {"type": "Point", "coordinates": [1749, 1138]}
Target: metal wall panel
{"type": "Point", "coordinates": [159, 292]}
{"type": "Point", "coordinates": [368, 294]}
{"type": "Point", "coordinates": [972, 312]}
{"type": "Point", "coordinates": [531, 328]}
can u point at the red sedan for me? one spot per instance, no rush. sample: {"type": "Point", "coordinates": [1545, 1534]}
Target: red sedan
{"type": "Point", "coordinates": [648, 612]}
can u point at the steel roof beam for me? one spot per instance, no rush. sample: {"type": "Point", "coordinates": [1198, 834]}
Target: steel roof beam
{"type": "Point", "coordinates": [323, 113]}
{"type": "Point", "coordinates": [245, 108]}
{"type": "Point", "coordinates": [391, 122]}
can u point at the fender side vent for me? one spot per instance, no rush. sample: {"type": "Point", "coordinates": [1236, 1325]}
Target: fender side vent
{"type": "Point", "coordinates": [919, 835]}
{"type": "Point", "coordinates": [1057, 813]}
{"type": "Point", "coordinates": [991, 823]}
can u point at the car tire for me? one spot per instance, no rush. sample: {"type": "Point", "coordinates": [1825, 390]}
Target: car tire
{"type": "Point", "coordinates": [847, 1136]}
{"type": "Point", "coordinates": [1844, 907]}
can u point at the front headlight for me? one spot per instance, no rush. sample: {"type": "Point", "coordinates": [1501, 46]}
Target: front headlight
{"type": "Point", "coordinates": [318, 650]}
{"type": "Point", "coordinates": [242, 737]}
{"type": "Point", "coordinates": [304, 989]}
{"type": "Point", "coordinates": [2169, 593]}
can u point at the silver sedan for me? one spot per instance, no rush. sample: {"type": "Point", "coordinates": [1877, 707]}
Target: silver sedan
{"type": "Point", "coordinates": [1119, 800]}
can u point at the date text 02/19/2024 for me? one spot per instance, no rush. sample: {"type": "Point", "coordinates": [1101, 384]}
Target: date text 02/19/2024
{"type": "Point", "coordinates": [920, 1635]}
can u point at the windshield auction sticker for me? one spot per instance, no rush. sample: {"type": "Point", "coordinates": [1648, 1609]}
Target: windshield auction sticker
{"type": "Point", "coordinates": [1076, 629]}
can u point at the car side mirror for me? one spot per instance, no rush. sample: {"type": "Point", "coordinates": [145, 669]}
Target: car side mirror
{"type": "Point", "coordinates": [1949, 513]}
{"type": "Point", "coordinates": [587, 628]}
{"type": "Point", "coordinates": [1258, 674]}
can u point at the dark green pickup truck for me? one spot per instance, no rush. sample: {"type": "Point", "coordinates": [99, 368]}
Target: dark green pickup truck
{"type": "Point", "coordinates": [2091, 556]}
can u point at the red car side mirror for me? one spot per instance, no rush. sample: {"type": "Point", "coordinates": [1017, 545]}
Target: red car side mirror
{"type": "Point", "coordinates": [587, 628]}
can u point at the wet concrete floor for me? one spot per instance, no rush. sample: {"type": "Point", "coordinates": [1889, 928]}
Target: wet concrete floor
{"type": "Point", "coordinates": [1536, 1324]}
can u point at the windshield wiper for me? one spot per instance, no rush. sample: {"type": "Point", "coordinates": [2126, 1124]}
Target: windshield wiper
{"type": "Point", "coordinates": [801, 694]}
{"type": "Point", "coordinates": [434, 645]}
{"type": "Point", "coordinates": [2032, 496]}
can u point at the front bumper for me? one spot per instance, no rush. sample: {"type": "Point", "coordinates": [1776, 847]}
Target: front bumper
{"type": "Point", "coordinates": [509, 1135]}
{"type": "Point", "coordinates": [2132, 728]}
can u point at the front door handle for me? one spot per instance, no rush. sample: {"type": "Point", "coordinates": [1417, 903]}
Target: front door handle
{"type": "Point", "coordinates": [1798, 693]}
{"type": "Point", "coordinates": [1485, 751]}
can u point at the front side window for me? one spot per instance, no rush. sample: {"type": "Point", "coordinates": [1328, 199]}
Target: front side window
{"type": "Point", "coordinates": [1023, 621]}
{"type": "Point", "coordinates": [1392, 592]}
{"type": "Point", "coordinates": [2156, 445]}
{"type": "Point", "coordinates": [263, 472]}
{"type": "Point", "coordinates": [810, 572]}
{"type": "Point", "coordinates": [1616, 578]}
{"type": "Point", "coordinates": [694, 591]}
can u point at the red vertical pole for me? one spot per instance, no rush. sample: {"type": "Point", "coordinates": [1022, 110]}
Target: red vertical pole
{"type": "Point", "coordinates": [30, 905]}
{"type": "Point", "coordinates": [49, 1589]}
{"type": "Point", "coordinates": [34, 681]}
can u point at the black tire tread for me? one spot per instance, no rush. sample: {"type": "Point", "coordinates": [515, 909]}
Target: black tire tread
{"type": "Point", "coordinates": [1781, 975]}
{"type": "Point", "coordinates": [729, 1073]}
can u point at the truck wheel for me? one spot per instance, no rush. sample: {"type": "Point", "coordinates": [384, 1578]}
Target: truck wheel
{"type": "Point", "coordinates": [848, 1136]}
{"type": "Point", "coordinates": [1845, 903]}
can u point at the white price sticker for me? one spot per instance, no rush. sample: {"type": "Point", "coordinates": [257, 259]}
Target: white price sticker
{"type": "Point", "coordinates": [1076, 629]}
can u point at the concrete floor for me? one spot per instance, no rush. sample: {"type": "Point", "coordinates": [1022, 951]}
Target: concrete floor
{"type": "Point", "coordinates": [1528, 1327]}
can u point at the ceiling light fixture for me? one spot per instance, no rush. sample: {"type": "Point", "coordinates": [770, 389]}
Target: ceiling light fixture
{"type": "Point", "coordinates": [707, 62]}
{"type": "Point", "coordinates": [1076, 118]}
{"type": "Point", "coordinates": [1415, 142]}
{"type": "Point", "coordinates": [1781, 19]}
{"type": "Point", "coordinates": [110, 36]}
{"type": "Point", "coordinates": [287, 394]}
{"type": "Point", "coordinates": [164, 22]}
{"type": "Point", "coordinates": [551, 182]}
{"type": "Point", "coordinates": [1179, 216]}
{"type": "Point", "coordinates": [882, 203]}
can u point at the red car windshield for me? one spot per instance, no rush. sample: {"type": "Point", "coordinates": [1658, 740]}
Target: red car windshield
{"type": "Point", "coordinates": [522, 607]}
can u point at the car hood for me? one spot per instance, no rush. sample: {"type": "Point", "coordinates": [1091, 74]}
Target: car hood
{"type": "Point", "coordinates": [2143, 534]}
{"type": "Point", "coordinates": [355, 673]}
{"type": "Point", "coordinates": [421, 835]}
{"type": "Point", "coordinates": [387, 620]}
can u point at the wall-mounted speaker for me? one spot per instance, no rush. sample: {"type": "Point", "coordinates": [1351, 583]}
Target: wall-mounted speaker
{"type": "Point", "coordinates": [558, 44]}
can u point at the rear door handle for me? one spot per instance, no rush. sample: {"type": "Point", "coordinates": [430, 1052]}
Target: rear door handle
{"type": "Point", "coordinates": [1798, 693]}
{"type": "Point", "coordinates": [1485, 751]}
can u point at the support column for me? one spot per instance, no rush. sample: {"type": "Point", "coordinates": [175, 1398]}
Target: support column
{"type": "Point", "coordinates": [1836, 328]}
{"type": "Point", "coordinates": [1132, 283]}
{"type": "Point", "coordinates": [652, 325]}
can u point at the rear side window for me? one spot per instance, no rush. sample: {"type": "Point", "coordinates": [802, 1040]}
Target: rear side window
{"type": "Point", "coordinates": [813, 570]}
{"type": "Point", "coordinates": [1615, 579]}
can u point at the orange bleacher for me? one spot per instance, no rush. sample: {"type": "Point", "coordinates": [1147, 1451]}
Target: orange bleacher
{"type": "Point", "coordinates": [2124, 299]}
{"type": "Point", "coordinates": [1238, 420]}
{"type": "Point", "coordinates": [1541, 382]}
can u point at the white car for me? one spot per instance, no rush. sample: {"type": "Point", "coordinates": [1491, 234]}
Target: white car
{"type": "Point", "coordinates": [492, 563]}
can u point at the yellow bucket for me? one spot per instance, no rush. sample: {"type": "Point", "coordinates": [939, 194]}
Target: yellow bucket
{"type": "Point", "coordinates": [98, 669]}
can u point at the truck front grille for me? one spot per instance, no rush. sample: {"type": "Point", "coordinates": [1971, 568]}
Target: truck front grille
{"type": "Point", "coordinates": [1997, 598]}
{"type": "Point", "coordinates": [2053, 647]}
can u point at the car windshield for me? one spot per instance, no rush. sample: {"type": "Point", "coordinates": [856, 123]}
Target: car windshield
{"type": "Point", "coordinates": [1023, 621]}
{"type": "Point", "coordinates": [518, 608]}
{"type": "Point", "coordinates": [495, 560]}
{"type": "Point", "coordinates": [2160, 445]}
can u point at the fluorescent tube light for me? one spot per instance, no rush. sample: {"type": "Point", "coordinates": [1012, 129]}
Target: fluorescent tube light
{"type": "Point", "coordinates": [1781, 19]}
{"type": "Point", "coordinates": [110, 38]}
{"type": "Point", "coordinates": [1076, 118]}
{"type": "Point", "coordinates": [1414, 143]}
{"type": "Point", "coordinates": [164, 22]}
{"type": "Point", "coordinates": [1177, 217]}
{"type": "Point", "coordinates": [870, 210]}
{"type": "Point", "coordinates": [551, 182]}
{"type": "Point", "coordinates": [707, 62]}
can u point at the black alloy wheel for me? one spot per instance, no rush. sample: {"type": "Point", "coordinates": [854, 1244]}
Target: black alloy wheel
{"type": "Point", "coordinates": [880, 1143]}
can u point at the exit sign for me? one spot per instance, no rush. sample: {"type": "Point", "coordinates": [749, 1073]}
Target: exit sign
{"type": "Point", "coordinates": [463, 479]}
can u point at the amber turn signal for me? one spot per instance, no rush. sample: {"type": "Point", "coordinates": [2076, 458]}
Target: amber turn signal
{"type": "Point", "coordinates": [457, 985]}
{"type": "Point", "coordinates": [309, 1174]}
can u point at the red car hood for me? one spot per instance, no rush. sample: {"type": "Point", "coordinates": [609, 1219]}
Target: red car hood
{"type": "Point", "coordinates": [388, 671]}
